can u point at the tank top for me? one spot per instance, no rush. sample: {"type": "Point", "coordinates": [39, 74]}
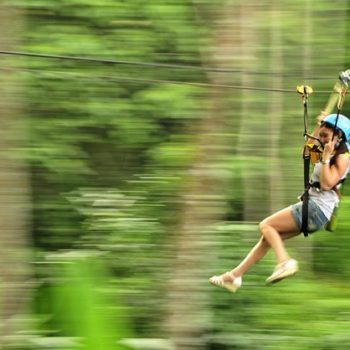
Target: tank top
{"type": "Point", "coordinates": [327, 200]}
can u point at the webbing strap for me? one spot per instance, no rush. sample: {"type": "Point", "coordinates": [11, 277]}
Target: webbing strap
{"type": "Point", "coordinates": [305, 91]}
{"type": "Point", "coordinates": [342, 91]}
{"type": "Point", "coordinates": [305, 197]}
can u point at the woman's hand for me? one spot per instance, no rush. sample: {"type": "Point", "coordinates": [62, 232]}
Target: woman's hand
{"type": "Point", "coordinates": [328, 149]}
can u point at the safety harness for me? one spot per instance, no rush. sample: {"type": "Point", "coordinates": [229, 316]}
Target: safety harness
{"type": "Point", "coordinates": [313, 151]}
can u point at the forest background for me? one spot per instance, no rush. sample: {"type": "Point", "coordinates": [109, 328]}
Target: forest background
{"type": "Point", "coordinates": [127, 183]}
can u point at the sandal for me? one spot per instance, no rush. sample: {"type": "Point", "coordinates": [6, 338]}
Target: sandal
{"type": "Point", "coordinates": [286, 269]}
{"type": "Point", "coordinates": [232, 285]}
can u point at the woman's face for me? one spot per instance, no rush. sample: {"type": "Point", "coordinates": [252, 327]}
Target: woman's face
{"type": "Point", "coordinates": [326, 135]}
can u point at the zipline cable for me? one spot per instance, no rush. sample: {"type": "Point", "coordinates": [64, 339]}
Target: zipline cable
{"type": "Point", "coordinates": [77, 76]}
{"type": "Point", "coordinates": [151, 64]}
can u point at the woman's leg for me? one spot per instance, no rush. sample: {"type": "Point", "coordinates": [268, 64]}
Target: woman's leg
{"type": "Point", "coordinates": [281, 223]}
{"type": "Point", "coordinates": [274, 227]}
{"type": "Point", "coordinates": [256, 254]}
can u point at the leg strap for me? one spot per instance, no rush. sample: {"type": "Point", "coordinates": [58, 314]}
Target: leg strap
{"type": "Point", "coordinates": [305, 207]}
{"type": "Point", "coordinates": [305, 213]}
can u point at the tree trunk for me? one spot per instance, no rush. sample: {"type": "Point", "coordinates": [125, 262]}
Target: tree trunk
{"type": "Point", "coordinates": [251, 142]}
{"type": "Point", "coordinates": [14, 194]}
{"type": "Point", "coordinates": [203, 202]}
{"type": "Point", "coordinates": [275, 111]}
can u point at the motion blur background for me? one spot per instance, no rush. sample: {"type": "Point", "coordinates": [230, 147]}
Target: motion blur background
{"type": "Point", "coordinates": [125, 185]}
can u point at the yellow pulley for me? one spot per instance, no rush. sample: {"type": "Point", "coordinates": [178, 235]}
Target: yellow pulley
{"type": "Point", "coordinates": [304, 90]}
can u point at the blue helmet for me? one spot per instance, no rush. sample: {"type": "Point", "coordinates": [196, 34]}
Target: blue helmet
{"type": "Point", "coordinates": [343, 123]}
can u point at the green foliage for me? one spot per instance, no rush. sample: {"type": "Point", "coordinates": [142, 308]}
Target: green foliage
{"type": "Point", "coordinates": [331, 252]}
{"type": "Point", "coordinates": [76, 305]}
{"type": "Point", "coordinates": [110, 148]}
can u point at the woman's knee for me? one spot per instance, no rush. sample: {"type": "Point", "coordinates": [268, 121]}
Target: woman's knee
{"type": "Point", "coordinates": [263, 226]}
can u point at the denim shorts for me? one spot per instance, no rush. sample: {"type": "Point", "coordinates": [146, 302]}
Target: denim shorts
{"type": "Point", "coordinates": [316, 218]}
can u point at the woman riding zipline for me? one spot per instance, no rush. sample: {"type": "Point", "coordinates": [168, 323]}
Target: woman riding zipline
{"type": "Point", "coordinates": [333, 133]}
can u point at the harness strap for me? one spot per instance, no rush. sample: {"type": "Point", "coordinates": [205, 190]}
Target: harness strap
{"type": "Point", "coordinates": [317, 184]}
{"type": "Point", "coordinates": [305, 91]}
{"type": "Point", "coordinates": [305, 197]}
{"type": "Point", "coordinates": [336, 189]}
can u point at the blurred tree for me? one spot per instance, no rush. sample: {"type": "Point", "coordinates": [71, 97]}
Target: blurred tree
{"type": "Point", "coordinates": [14, 252]}
{"type": "Point", "coordinates": [275, 111]}
{"type": "Point", "coordinates": [203, 200]}
{"type": "Point", "coordinates": [253, 134]}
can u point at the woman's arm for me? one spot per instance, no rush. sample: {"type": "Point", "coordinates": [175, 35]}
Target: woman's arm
{"type": "Point", "coordinates": [331, 174]}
